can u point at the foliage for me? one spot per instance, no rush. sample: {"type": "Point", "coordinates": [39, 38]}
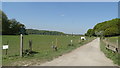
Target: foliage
{"type": "Point", "coordinates": [11, 26]}
{"type": "Point", "coordinates": [43, 32]}
{"type": "Point", "coordinates": [70, 44]}
{"type": "Point", "coordinates": [5, 24]}
{"type": "Point", "coordinates": [89, 32]}
{"type": "Point", "coordinates": [107, 28]}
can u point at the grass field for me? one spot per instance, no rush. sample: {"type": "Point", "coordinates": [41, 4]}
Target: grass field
{"type": "Point", "coordinates": [113, 56]}
{"type": "Point", "coordinates": [41, 45]}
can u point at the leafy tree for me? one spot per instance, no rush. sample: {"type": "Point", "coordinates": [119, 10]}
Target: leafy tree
{"type": "Point", "coordinates": [107, 28]}
{"type": "Point", "coordinates": [89, 32]}
{"type": "Point", "coordinates": [11, 26]}
{"type": "Point", "coordinates": [15, 27]}
{"type": "Point", "coordinates": [5, 24]}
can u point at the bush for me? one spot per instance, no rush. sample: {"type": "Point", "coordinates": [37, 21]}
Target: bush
{"type": "Point", "coordinates": [28, 52]}
{"type": "Point", "coordinates": [70, 44]}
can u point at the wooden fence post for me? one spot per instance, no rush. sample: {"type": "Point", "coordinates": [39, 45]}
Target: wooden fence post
{"type": "Point", "coordinates": [119, 45]}
{"type": "Point", "coordinates": [6, 51]}
{"type": "Point", "coordinates": [30, 45]}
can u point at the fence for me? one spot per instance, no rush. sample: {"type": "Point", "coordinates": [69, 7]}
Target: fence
{"type": "Point", "coordinates": [111, 46]}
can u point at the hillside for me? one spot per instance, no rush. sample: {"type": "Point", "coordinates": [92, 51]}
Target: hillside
{"type": "Point", "coordinates": [43, 32]}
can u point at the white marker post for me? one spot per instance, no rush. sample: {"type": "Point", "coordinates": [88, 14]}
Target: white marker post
{"type": "Point", "coordinates": [21, 45]}
{"type": "Point", "coordinates": [71, 42]}
{"type": "Point", "coordinates": [117, 41]}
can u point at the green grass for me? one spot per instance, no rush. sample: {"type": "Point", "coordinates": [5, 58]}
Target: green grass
{"type": "Point", "coordinates": [113, 40]}
{"type": "Point", "coordinates": [42, 45]}
{"type": "Point", "coordinates": [113, 56]}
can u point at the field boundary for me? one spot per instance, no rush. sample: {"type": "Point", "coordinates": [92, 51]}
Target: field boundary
{"type": "Point", "coordinates": [111, 46]}
{"type": "Point", "coordinates": [113, 55]}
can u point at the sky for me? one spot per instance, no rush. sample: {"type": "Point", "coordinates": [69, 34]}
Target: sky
{"type": "Point", "coordinates": [67, 17]}
{"type": "Point", "coordinates": [59, 0]}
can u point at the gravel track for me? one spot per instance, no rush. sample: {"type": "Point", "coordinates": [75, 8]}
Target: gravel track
{"type": "Point", "coordinates": [86, 55]}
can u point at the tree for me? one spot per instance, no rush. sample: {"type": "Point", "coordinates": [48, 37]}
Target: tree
{"type": "Point", "coordinates": [5, 24]}
{"type": "Point", "coordinates": [89, 32]}
{"type": "Point", "coordinates": [107, 28]}
{"type": "Point", "coordinates": [15, 27]}
{"type": "Point", "coordinates": [43, 32]}
{"type": "Point", "coordinates": [11, 26]}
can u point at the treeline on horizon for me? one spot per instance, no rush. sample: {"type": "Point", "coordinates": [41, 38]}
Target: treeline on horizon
{"type": "Point", "coordinates": [106, 29]}
{"type": "Point", "coordinates": [13, 27]}
{"type": "Point", "coordinates": [43, 32]}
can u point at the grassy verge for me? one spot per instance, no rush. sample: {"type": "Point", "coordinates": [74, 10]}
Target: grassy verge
{"type": "Point", "coordinates": [113, 40]}
{"type": "Point", "coordinates": [113, 56]}
{"type": "Point", "coordinates": [41, 46]}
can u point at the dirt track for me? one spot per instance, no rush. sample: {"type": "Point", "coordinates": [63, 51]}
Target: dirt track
{"type": "Point", "coordinates": [87, 55]}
